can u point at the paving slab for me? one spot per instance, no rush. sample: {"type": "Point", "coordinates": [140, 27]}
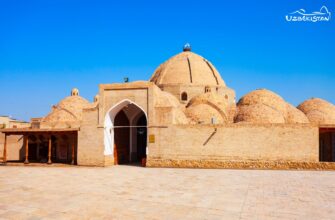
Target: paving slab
{"type": "Point", "coordinates": [130, 192]}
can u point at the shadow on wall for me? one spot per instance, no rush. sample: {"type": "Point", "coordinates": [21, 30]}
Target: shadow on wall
{"type": "Point", "coordinates": [15, 148]}
{"type": "Point", "coordinates": [21, 152]}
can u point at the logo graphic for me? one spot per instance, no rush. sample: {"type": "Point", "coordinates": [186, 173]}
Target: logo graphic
{"type": "Point", "coordinates": [301, 15]}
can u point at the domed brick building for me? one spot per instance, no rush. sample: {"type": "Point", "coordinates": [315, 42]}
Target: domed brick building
{"type": "Point", "coordinates": [184, 116]}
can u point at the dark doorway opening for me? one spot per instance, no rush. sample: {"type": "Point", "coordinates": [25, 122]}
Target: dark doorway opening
{"type": "Point", "coordinates": [130, 135]}
{"type": "Point", "coordinates": [32, 154]}
{"type": "Point", "coordinates": [121, 138]}
{"type": "Point", "coordinates": [43, 152]}
{"type": "Point", "coordinates": [141, 132]}
{"type": "Point", "coordinates": [327, 145]}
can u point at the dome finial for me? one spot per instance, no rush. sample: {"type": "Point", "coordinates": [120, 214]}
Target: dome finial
{"type": "Point", "coordinates": [74, 92]}
{"type": "Point", "coordinates": [187, 47]}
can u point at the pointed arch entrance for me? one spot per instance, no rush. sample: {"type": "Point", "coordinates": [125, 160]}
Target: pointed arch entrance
{"type": "Point", "coordinates": [126, 132]}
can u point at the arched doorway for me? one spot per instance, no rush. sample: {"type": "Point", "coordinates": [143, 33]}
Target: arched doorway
{"type": "Point", "coordinates": [121, 138]}
{"type": "Point", "coordinates": [126, 133]}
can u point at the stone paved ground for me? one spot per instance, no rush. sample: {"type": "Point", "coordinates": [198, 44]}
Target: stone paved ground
{"type": "Point", "coordinates": [129, 192]}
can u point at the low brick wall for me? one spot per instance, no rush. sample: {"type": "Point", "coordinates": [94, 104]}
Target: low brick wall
{"type": "Point", "coordinates": [262, 146]}
{"type": "Point", "coordinates": [278, 165]}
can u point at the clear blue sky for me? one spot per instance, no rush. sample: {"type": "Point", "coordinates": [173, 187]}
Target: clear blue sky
{"type": "Point", "coordinates": [49, 47]}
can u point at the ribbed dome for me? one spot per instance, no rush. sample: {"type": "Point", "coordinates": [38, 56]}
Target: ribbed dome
{"type": "Point", "coordinates": [187, 68]}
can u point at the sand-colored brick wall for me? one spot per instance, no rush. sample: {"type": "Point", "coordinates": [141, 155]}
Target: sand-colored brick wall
{"type": "Point", "coordinates": [15, 150]}
{"type": "Point", "coordinates": [139, 96]}
{"type": "Point", "coordinates": [236, 143]}
{"type": "Point", "coordinates": [90, 140]}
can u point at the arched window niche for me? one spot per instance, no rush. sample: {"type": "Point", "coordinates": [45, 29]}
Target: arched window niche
{"type": "Point", "coordinates": [184, 96]}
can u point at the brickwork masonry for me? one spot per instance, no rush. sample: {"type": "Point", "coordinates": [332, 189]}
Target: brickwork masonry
{"type": "Point", "coordinates": [277, 165]}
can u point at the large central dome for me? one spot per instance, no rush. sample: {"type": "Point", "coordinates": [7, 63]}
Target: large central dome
{"type": "Point", "coordinates": [187, 68]}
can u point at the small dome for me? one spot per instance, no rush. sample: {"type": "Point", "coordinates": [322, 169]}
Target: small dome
{"type": "Point", "coordinates": [75, 92]}
{"type": "Point", "coordinates": [216, 101]}
{"type": "Point", "coordinates": [163, 101]}
{"type": "Point", "coordinates": [258, 113]}
{"type": "Point", "coordinates": [68, 109]}
{"type": "Point", "coordinates": [209, 97]}
{"type": "Point", "coordinates": [266, 97]}
{"type": "Point", "coordinates": [264, 106]}
{"type": "Point", "coordinates": [318, 111]}
{"type": "Point", "coordinates": [187, 68]}
{"type": "Point", "coordinates": [204, 114]}
{"type": "Point", "coordinates": [74, 103]}
{"type": "Point", "coordinates": [294, 115]}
